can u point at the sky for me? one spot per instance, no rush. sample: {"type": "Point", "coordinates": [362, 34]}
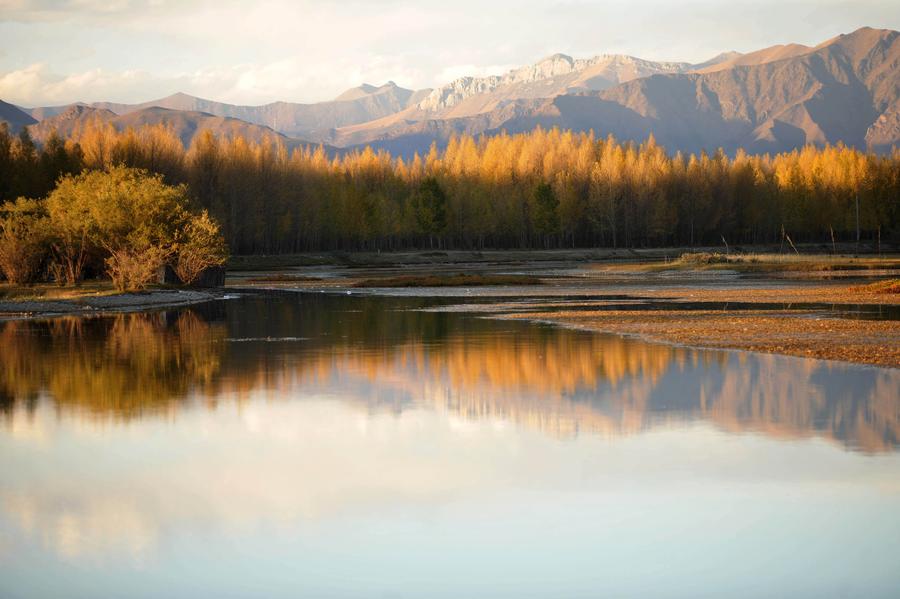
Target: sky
{"type": "Point", "coordinates": [60, 51]}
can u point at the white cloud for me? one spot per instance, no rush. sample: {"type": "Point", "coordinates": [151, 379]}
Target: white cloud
{"type": "Point", "coordinates": [37, 85]}
{"type": "Point", "coordinates": [289, 79]}
{"type": "Point", "coordinates": [134, 50]}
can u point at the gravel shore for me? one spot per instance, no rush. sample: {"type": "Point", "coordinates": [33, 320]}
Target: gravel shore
{"type": "Point", "coordinates": [124, 302]}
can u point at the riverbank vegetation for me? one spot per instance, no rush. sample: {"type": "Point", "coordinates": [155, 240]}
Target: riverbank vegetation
{"type": "Point", "coordinates": [123, 222]}
{"type": "Point", "coordinates": [889, 286]}
{"type": "Point", "coordinates": [43, 292]}
{"type": "Point", "coordinates": [542, 189]}
{"type": "Point", "coordinates": [771, 262]}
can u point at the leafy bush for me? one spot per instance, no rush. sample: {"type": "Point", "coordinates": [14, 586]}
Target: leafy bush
{"type": "Point", "coordinates": [132, 219]}
{"type": "Point", "coordinates": [703, 258]}
{"type": "Point", "coordinates": [200, 246]}
{"type": "Point", "coordinates": [135, 267]}
{"type": "Point", "coordinates": [885, 287]}
{"type": "Point", "coordinates": [23, 240]}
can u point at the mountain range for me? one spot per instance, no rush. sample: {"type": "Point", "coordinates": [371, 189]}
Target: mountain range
{"type": "Point", "coordinates": [846, 89]}
{"type": "Point", "coordinates": [15, 117]}
{"type": "Point", "coordinates": [185, 123]}
{"type": "Point", "coordinates": [357, 105]}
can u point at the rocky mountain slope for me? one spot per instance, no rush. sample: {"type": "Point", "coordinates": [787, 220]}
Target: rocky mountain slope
{"type": "Point", "coordinates": [550, 77]}
{"type": "Point", "coordinates": [358, 105]}
{"type": "Point", "coordinates": [846, 89]}
{"type": "Point", "coordinates": [185, 124]}
{"type": "Point", "coordinates": [14, 117]}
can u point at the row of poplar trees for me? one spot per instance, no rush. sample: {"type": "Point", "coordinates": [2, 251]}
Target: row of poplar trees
{"type": "Point", "coordinates": [541, 189]}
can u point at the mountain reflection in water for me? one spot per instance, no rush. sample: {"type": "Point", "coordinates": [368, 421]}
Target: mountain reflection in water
{"type": "Point", "coordinates": [381, 354]}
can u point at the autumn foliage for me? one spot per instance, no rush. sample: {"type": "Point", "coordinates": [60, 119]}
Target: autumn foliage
{"type": "Point", "coordinates": [23, 241]}
{"type": "Point", "coordinates": [538, 189]}
{"type": "Point", "coordinates": [122, 221]}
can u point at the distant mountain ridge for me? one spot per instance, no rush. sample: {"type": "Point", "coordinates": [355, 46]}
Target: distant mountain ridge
{"type": "Point", "coordinates": [846, 89]}
{"type": "Point", "coordinates": [15, 117]}
{"type": "Point", "coordinates": [549, 77]}
{"type": "Point", "coordinates": [186, 124]}
{"type": "Point", "coordinates": [361, 104]}
{"type": "Point", "coordinates": [766, 55]}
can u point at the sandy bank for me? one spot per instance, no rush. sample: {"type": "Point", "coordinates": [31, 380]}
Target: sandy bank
{"type": "Point", "coordinates": [806, 321]}
{"type": "Point", "coordinates": [785, 294]}
{"type": "Point", "coordinates": [826, 338]}
{"type": "Point", "coordinates": [124, 302]}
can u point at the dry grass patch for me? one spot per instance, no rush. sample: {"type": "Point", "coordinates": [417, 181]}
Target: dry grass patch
{"type": "Point", "coordinates": [778, 262]}
{"type": "Point", "coordinates": [50, 292]}
{"type": "Point", "coordinates": [889, 286]}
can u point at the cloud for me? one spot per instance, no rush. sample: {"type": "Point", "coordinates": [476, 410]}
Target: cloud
{"type": "Point", "coordinates": [312, 50]}
{"type": "Point", "coordinates": [81, 10]}
{"type": "Point", "coordinates": [38, 85]}
{"type": "Point", "coordinates": [363, 462]}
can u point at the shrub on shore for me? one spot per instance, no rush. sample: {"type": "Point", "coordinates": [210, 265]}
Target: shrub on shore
{"type": "Point", "coordinates": [779, 262]}
{"type": "Point", "coordinates": [200, 246]}
{"type": "Point", "coordinates": [703, 258]}
{"type": "Point", "coordinates": [132, 268]}
{"type": "Point", "coordinates": [125, 222]}
{"type": "Point", "coordinates": [23, 241]}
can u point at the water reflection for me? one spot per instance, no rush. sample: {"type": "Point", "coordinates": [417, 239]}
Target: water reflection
{"type": "Point", "coordinates": [121, 366]}
{"type": "Point", "coordinates": [330, 446]}
{"type": "Point", "coordinates": [383, 355]}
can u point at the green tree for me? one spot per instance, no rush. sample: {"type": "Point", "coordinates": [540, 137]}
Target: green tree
{"type": "Point", "coordinates": [430, 205]}
{"type": "Point", "coordinates": [56, 160]}
{"type": "Point", "coordinates": [26, 175]}
{"type": "Point", "coordinates": [545, 216]}
{"type": "Point", "coordinates": [7, 168]}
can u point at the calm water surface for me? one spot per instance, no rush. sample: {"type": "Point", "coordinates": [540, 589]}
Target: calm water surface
{"type": "Point", "coordinates": [312, 445]}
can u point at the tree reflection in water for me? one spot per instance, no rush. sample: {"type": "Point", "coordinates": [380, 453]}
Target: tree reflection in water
{"type": "Point", "coordinates": [121, 366]}
{"type": "Point", "coordinates": [385, 354]}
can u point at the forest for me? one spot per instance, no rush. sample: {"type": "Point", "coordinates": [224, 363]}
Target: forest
{"type": "Point", "coordinates": [542, 189]}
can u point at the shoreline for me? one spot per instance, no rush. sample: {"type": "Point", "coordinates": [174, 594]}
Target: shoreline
{"type": "Point", "coordinates": [652, 258]}
{"type": "Point", "coordinates": [102, 304]}
{"type": "Point", "coordinates": [815, 320]}
{"type": "Point", "coordinates": [822, 322]}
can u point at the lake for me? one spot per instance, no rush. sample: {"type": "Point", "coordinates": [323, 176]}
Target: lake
{"type": "Point", "coordinates": [332, 445]}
